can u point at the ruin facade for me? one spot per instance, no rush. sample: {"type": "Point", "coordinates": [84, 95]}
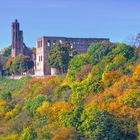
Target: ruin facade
{"type": "Point", "coordinates": [44, 44]}
{"type": "Point", "coordinates": [18, 45]}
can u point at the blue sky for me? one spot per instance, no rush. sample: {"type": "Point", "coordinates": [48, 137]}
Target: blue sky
{"type": "Point", "coordinates": [118, 20]}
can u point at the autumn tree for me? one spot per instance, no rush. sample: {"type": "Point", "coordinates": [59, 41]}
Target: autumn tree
{"type": "Point", "coordinates": [6, 51]}
{"type": "Point", "coordinates": [76, 65]}
{"type": "Point", "coordinates": [19, 64]}
{"type": "Point", "coordinates": [28, 134]}
{"type": "Point", "coordinates": [136, 74]}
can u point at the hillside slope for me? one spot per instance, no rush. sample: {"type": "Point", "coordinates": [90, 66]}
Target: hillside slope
{"type": "Point", "coordinates": [98, 99]}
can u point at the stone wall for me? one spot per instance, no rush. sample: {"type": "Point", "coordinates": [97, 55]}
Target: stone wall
{"type": "Point", "coordinates": [44, 44]}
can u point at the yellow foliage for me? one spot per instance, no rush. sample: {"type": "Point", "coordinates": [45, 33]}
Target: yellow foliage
{"type": "Point", "coordinates": [131, 98]}
{"type": "Point", "coordinates": [8, 115]}
{"type": "Point", "coordinates": [111, 99]}
{"type": "Point", "coordinates": [119, 59]}
{"type": "Point", "coordinates": [42, 110]}
{"type": "Point", "coordinates": [10, 137]}
{"type": "Point", "coordinates": [53, 126]}
{"type": "Point", "coordinates": [3, 102]}
{"type": "Point", "coordinates": [12, 113]}
{"type": "Point", "coordinates": [138, 126]}
{"type": "Point", "coordinates": [57, 107]}
{"type": "Point", "coordinates": [136, 74]}
{"type": "Point", "coordinates": [109, 78]}
{"type": "Point", "coordinates": [1, 114]}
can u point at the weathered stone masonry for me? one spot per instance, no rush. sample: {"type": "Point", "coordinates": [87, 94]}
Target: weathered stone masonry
{"type": "Point", "coordinates": [44, 44]}
{"type": "Point", "coordinates": [17, 39]}
{"type": "Point", "coordinates": [18, 45]}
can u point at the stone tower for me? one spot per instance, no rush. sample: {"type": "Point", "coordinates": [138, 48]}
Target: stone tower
{"type": "Point", "coordinates": [42, 50]}
{"type": "Point", "coordinates": [17, 39]}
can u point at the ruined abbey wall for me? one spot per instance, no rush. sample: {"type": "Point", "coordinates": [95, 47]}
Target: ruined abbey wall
{"type": "Point", "coordinates": [44, 44]}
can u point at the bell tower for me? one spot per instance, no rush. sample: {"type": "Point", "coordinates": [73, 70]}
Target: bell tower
{"type": "Point", "coordinates": [17, 39]}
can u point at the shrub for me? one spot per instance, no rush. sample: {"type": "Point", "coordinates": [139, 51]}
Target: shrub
{"type": "Point", "coordinates": [28, 134]}
{"type": "Point", "coordinates": [99, 125]}
{"type": "Point", "coordinates": [65, 134]}
{"type": "Point", "coordinates": [83, 72]}
{"type": "Point", "coordinates": [6, 96]}
{"type": "Point", "coordinates": [32, 104]}
{"type": "Point", "coordinates": [132, 98]}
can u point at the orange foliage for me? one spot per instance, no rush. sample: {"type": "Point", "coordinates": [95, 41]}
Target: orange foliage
{"type": "Point", "coordinates": [3, 102]}
{"type": "Point", "coordinates": [64, 134]}
{"type": "Point", "coordinates": [46, 89]}
{"type": "Point", "coordinates": [41, 80]}
{"type": "Point", "coordinates": [111, 99]}
{"type": "Point", "coordinates": [136, 74]}
{"type": "Point", "coordinates": [43, 110]}
{"type": "Point", "coordinates": [8, 62]}
{"type": "Point", "coordinates": [53, 109]}
{"type": "Point", "coordinates": [110, 78]}
{"type": "Point", "coordinates": [57, 107]}
{"type": "Point", "coordinates": [2, 114]}
{"type": "Point", "coordinates": [8, 115]}
{"type": "Point", "coordinates": [45, 85]}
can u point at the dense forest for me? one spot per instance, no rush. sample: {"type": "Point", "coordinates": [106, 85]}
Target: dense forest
{"type": "Point", "coordinates": [98, 99]}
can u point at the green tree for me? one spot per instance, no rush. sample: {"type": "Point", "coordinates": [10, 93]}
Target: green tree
{"type": "Point", "coordinates": [132, 98]}
{"type": "Point", "coordinates": [59, 57]}
{"type": "Point", "coordinates": [19, 64]}
{"type": "Point", "coordinates": [6, 51]}
{"type": "Point", "coordinates": [76, 64]}
{"type": "Point", "coordinates": [99, 50]}
{"type": "Point", "coordinates": [99, 125]}
{"type": "Point", "coordinates": [28, 134]}
{"type": "Point", "coordinates": [6, 96]}
{"type": "Point", "coordinates": [126, 50]}
{"type": "Point", "coordinates": [71, 118]}
{"type": "Point", "coordinates": [32, 104]}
